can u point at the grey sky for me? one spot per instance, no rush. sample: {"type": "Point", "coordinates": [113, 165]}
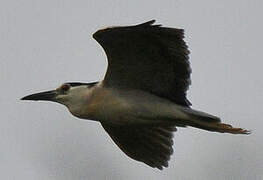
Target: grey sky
{"type": "Point", "coordinates": [46, 43]}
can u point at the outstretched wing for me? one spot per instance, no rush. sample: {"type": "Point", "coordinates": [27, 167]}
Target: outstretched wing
{"type": "Point", "coordinates": [151, 145]}
{"type": "Point", "coordinates": [147, 57]}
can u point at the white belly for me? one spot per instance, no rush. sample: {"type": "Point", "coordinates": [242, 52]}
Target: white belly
{"type": "Point", "coordinates": [130, 107]}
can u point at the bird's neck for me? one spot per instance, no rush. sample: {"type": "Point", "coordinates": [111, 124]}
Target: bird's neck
{"type": "Point", "coordinates": [85, 102]}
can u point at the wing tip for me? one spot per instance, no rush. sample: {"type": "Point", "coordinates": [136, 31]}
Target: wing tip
{"type": "Point", "coordinates": [145, 24]}
{"type": "Point", "coordinates": [148, 23]}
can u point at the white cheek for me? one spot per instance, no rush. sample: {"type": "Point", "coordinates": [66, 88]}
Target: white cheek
{"type": "Point", "coordinates": [78, 97]}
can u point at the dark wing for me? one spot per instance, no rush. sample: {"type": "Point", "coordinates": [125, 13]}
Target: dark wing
{"type": "Point", "coordinates": [147, 57]}
{"type": "Point", "coordinates": [151, 145]}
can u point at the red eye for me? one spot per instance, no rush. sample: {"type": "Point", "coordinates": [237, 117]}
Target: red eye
{"type": "Point", "coordinates": [65, 87]}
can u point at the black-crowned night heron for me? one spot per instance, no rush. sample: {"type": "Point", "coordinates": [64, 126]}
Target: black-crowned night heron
{"type": "Point", "coordinates": [142, 98]}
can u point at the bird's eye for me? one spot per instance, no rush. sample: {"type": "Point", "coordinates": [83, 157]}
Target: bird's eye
{"type": "Point", "coordinates": [65, 87]}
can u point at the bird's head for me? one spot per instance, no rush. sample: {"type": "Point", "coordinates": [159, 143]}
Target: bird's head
{"type": "Point", "coordinates": [68, 94]}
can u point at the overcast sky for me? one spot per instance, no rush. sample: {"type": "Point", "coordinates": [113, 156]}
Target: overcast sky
{"type": "Point", "coordinates": [46, 43]}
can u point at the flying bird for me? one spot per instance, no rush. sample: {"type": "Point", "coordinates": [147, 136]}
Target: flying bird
{"type": "Point", "coordinates": [142, 99]}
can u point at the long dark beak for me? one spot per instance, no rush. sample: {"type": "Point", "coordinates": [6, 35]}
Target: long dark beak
{"type": "Point", "coordinates": [43, 96]}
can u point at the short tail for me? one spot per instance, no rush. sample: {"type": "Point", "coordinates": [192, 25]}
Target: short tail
{"type": "Point", "coordinates": [209, 122]}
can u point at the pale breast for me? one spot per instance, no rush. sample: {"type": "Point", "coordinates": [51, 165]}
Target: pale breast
{"type": "Point", "coordinates": [104, 105]}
